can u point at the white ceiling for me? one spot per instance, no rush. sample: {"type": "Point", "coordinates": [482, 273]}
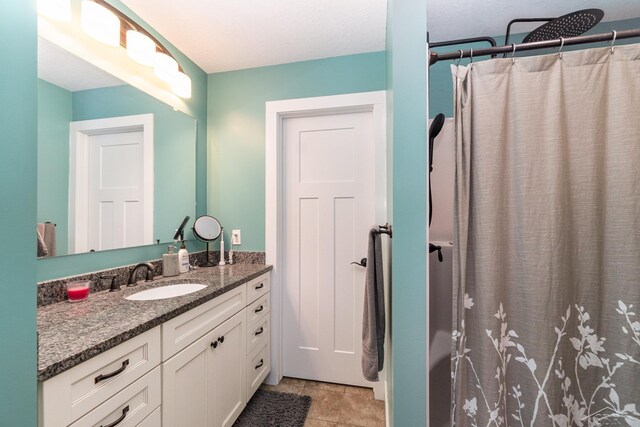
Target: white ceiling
{"type": "Point", "coordinates": [66, 70]}
{"type": "Point", "coordinates": [222, 35]}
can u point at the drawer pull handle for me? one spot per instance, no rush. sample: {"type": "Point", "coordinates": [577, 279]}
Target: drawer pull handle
{"type": "Point", "coordinates": [259, 365]}
{"type": "Point", "coordinates": [259, 331]}
{"type": "Point", "coordinates": [214, 344]}
{"type": "Point", "coordinates": [119, 420]}
{"type": "Point", "coordinates": [259, 309]}
{"type": "Point", "coordinates": [103, 377]}
{"type": "Point", "coordinates": [221, 339]}
{"type": "Point", "coordinates": [260, 286]}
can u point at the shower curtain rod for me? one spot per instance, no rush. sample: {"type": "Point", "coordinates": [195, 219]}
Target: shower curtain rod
{"type": "Point", "coordinates": [617, 35]}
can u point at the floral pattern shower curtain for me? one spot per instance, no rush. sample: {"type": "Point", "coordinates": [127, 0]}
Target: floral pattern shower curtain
{"type": "Point", "coordinates": [547, 241]}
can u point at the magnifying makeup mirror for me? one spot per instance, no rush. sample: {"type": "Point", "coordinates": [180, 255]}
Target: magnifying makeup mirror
{"type": "Point", "coordinates": [207, 229]}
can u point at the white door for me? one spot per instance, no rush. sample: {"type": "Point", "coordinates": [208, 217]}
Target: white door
{"type": "Point", "coordinates": [116, 190]}
{"type": "Point", "coordinates": [111, 183]}
{"type": "Point", "coordinates": [329, 203]}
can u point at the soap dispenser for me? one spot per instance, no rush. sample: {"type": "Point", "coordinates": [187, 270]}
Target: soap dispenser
{"type": "Point", "coordinates": [183, 255]}
{"type": "Point", "coordinates": [170, 263]}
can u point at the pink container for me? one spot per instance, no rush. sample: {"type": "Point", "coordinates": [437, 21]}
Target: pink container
{"type": "Point", "coordinates": [78, 291]}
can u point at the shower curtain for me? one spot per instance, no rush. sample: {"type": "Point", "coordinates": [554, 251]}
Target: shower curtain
{"type": "Point", "coordinates": [547, 240]}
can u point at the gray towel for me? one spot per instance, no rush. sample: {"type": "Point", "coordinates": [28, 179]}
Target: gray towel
{"type": "Point", "coordinates": [373, 322]}
{"type": "Point", "coordinates": [42, 247]}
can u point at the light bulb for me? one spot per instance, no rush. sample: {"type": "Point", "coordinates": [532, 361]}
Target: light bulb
{"type": "Point", "coordinates": [141, 48]}
{"type": "Point", "coordinates": [181, 85]}
{"type": "Point", "coordinates": [59, 10]}
{"type": "Point", "coordinates": [166, 67]}
{"type": "Point", "coordinates": [100, 23]}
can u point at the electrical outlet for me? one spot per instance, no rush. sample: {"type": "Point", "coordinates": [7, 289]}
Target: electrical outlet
{"type": "Point", "coordinates": [236, 238]}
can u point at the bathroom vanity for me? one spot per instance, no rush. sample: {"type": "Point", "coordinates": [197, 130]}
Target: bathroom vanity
{"type": "Point", "coordinates": [192, 360]}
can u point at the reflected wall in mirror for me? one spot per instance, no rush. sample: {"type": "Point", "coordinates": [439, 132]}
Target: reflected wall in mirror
{"type": "Point", "coordinates": [116, 167]}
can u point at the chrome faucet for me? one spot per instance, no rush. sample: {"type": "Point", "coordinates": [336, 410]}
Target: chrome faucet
{"type": "Point", "coordinates": [132, 276]}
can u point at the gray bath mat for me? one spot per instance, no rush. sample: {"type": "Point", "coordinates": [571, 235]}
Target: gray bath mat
{"type": "Point", "coordinates": [271, 408]}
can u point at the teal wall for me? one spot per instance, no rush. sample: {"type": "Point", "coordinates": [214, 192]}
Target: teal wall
{"type": "Point", "coordinates": [406, 59]}
{"type": "Point", "coordinates": [54, 115]}
{"type": "Point", "coordinates": [18, 130]}
{"type": "Point", "coordinates": [236, 186]}
{"type": "Point", "coordinates": [441, 83]}
{"type": "Point", "coordinates": [196, 107]}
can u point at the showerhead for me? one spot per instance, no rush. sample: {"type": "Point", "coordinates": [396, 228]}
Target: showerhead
{"type": "Point", "coordinates": [569, 25]}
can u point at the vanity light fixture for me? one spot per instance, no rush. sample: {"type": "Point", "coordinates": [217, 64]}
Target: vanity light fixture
{"type": "Point", "coordinates": [166, 67]}
{"type": "Point", "coordinates": [109, 25]}
{"type": "Point", "coordinates": [181, 85]}
{"type": "Point", "coordinates": [141, 48]}
{"type": "Point", "coordinates": [58, 10]}
{"type": "Point", "coordinates": [100, 23]}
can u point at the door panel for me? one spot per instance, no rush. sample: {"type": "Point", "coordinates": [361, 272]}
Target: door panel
{"type": "Point", "coordinates": [329, 186]}
{"type": "Point", "coordinates": [116, 190]}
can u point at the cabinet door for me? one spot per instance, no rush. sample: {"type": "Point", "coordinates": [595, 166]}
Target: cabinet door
{"type": "Point", "coordinates": [230, 372]}
{"type": "Point", "coordinates": [187, 380]}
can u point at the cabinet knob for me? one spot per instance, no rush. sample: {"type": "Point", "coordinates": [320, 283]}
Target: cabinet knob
{"type": "Point", "coordinates": [259, 365]}
{"type": "Point", "coordinates": [260, 286]}
{"type": "Point", "coordinates": [214, 344]}
{"type": "Point", "coordinates": [259, 331]}
{"type": "Point", "coordinates": [259, 309]}
{"type": "Point", "coordinates": [221, 339]}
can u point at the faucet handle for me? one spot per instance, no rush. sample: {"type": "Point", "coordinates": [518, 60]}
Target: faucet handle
{"type": "Point", "coordinates": [112, 277]}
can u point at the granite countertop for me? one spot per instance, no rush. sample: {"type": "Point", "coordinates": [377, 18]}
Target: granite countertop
{"type": "Point", "coordinates": [71, 333]}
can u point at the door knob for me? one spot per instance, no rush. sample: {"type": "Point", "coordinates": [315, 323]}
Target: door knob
{"type": "Point", "coordinates": [362, 263]}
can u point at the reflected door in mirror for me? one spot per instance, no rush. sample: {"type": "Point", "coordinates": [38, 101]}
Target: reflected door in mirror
{"type": "Point", "coordinates": [111, 183]}
{"type": "Point", "coordinates": [116, 191]}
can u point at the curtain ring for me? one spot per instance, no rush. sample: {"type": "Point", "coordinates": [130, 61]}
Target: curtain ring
{"type": "Point", "coordinates": [513, 53]}
{"type": "Point", "coordinates": [461, 54]}
{"type": "Point", "coordinates": [561, 46]}
{"type": "Point", "coordinates": [471, 55]}
{"type": "Point", "coordinates": [613, 40]}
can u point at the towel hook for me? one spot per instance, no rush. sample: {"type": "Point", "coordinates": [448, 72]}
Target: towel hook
{"type": "Point", "coordinates": [513, 53]}
{"type": "Point", "coordinates": [613, 40]}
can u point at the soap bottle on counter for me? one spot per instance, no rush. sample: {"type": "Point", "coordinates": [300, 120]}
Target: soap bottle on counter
{"type": "Point", "coordinates": [183, 255]}
{"type": "Point", "coordinates": [170, 263]}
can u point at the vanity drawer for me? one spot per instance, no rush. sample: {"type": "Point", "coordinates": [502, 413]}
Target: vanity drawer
{"type": "Point", "coordinates": [258, 287]}
{"type": "Point", "coordinates": [185, 329]}
{"type": "Point", "coordinates": [258, 366]}
{"type": "Point", "coordinates": [257, 310]}
{"type": "Point", "coordinates": [257, 334]}
{"type": "Point", "coordinates": [153, 420]}
{"type": "Point", "coordinates": [132, 405]}
{"type": "Point", "coordinates": [70, 395]}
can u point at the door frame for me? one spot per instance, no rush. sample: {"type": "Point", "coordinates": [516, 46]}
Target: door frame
{"type": "Point", "coordinates": [79, 137]}
{"type": "Point", "coordinates": [276, 112]}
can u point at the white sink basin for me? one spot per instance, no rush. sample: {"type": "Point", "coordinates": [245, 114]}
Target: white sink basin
{"type": "Point", "coordinates": [164, 292]}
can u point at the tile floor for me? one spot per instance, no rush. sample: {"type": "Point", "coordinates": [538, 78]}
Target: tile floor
{"type": "Point", "coordinates": [335, 405]}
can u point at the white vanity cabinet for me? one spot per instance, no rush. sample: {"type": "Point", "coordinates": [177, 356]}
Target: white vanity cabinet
{"type": "Point", "coordinates": [203, 385]}
{"type": "Point", "coordinates": [208, 379]}
{"type": "Point", "coordinates": [258, 332]}
{"type": "Point", "coordinates": [97, 391]}
{"type": "Point", "coordinates": [198, 369]}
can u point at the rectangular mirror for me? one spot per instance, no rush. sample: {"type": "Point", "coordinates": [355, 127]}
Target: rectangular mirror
{"type": "Point", "coordinates": [116, 167]}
